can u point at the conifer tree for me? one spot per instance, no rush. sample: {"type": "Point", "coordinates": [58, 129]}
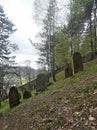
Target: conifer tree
{"type": "Point", "coordinates": [6, 47]}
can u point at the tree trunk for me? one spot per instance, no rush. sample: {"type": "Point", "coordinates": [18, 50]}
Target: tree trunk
{"type": "Point", "coordinates": [91, 40]}
{"type": "Point", "coordinates": [54, 76]}
{"type": "Point", "coordinates": [0, 99]}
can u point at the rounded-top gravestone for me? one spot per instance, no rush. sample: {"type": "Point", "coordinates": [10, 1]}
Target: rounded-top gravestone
{"type": "Point", "coordinates": [77, 62]}
{"type": "Point", "coordinates": [42, 81]}
{"type": "Point", "coordinates": [14, 97]}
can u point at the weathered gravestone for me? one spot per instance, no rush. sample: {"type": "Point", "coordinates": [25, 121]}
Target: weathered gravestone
{"type": "Point", "coordinates": [42, 81]}
{"type": "Point", "coordinates": [68, 72]}
{"type": "Point", "coordinates": [14, 97]}
{"type": "Point", "coordinates": [77, 62]}
{"type": "Point", "coordinates": [26, 94]}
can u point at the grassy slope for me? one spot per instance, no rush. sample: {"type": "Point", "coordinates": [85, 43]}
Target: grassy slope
{"type": "Point", "coordinates": [69, 104]}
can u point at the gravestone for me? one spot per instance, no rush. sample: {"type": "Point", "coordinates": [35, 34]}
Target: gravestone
{"type": "Point", "coordinates": [26, 94]}
{"type": "Point", "coordinates": [42, 82]}
{"type": "Point", "coordinates": [77, 62]}
{"type": "Point", "coordinates": [14, 97]}
{"type": "Point", "coordinates": [68, 72]}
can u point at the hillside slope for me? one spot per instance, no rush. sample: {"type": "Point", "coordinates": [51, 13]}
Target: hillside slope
{"type": "Point", "coordinates": [69, 104]}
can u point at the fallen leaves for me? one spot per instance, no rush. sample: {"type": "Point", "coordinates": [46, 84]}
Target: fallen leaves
{"type": "Point", "coordinates": [72, 108]}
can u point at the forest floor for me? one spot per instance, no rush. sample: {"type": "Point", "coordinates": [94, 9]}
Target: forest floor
{"type": "Point", "coordinates": [71, 106]}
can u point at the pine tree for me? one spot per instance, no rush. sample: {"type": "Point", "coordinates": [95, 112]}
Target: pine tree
{"type": "Point", "coordinates": [49, 28]}
{"type": "Point", "coordinates": [6, 47]}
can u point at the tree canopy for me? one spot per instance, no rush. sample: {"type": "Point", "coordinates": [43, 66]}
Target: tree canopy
{"type": "Point", "coordinates": [77, 34]}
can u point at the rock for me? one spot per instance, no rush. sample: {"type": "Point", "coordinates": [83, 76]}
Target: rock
{"type": "Point", "coordinates": [91, 118]}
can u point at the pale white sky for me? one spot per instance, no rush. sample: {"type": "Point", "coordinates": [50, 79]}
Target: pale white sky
{"type": "Point", "coordinates": [20, 12]}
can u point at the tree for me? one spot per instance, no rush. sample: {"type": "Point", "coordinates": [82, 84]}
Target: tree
{"type": "Point", "coordinates": [49, 28]}
{"type": "Point", "coordinates": [28, 70]}
{"type": "Point", "coordinates": [6, 61]}
{"type": "Point", "coordinates": [47, 46]}
{"type": "Point", "coordinates": [62, 51]}
{"type": "Point", "coordinates": [80, 24]}
{"type": "Point", "coordinates": [40, 7]}
{"type": "Point", "coordinates": [78, 33]}
{"type": "Point", "coordinates": [6, 47]}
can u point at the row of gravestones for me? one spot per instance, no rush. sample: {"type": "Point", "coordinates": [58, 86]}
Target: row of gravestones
{"type": "Point", "coordinates": [15, 96]}
{"type": "Point", "coordinates": [77, 65]}
{"type": "Point", "coordinates": [42, 82]}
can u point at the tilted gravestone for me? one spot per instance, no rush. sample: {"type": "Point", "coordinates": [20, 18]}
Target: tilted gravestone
{"type": "Point", "coordinates": [42, 81]}
{"type": "Point", "coordinates": [77, 62]}
{"type": "Point", "coordinates": [68, 72]}
{"type": "Point", "coordinates": [14, 97]}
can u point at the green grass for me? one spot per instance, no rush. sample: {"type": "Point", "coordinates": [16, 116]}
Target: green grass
{"type": "Point", "coordinates": [56, 85]}
{"type": "Point", "coordinates": [50, 122]}
{"type": "Point", "coordinates": [61, 83]}
{"type": "Point", "coordinates": [4, 107]}
{"type": "Point", "coordinates": [76, 78]}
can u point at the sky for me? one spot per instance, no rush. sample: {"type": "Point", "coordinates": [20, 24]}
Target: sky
{"type": "Point", "coordinates": [20, 12]}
